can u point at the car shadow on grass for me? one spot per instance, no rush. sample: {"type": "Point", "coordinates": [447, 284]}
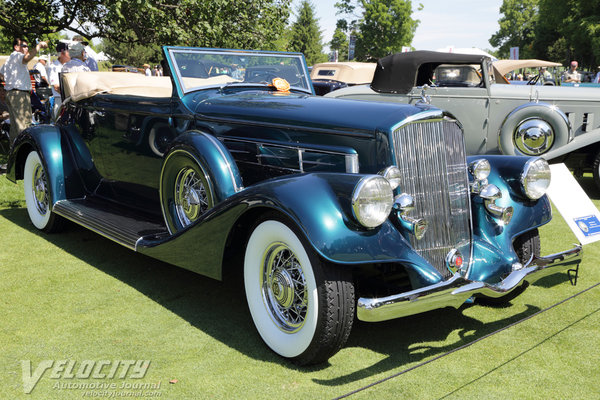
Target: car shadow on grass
{"type": "Point", "coordinates": [408, 341]}
{"type": "Point", "coordinates": [219, 308]}
{"type": "Point", "coordinates": [216, 308]}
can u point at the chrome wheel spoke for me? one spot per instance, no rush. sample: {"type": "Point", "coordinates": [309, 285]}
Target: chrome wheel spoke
{"type": "Point", "coordinates": [39, 189]}
{"type": "Point", "coordinates": [191, 199]}
{"type": "Point", "coordinates": [284, 288]}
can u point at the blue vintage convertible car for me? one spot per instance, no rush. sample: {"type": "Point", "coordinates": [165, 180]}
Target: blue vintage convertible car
{"type": "Point", "coordinates": [335, 208]}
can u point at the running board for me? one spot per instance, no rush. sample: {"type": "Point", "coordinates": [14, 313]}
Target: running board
{"type": "Point", "coordinates": [115, 223]}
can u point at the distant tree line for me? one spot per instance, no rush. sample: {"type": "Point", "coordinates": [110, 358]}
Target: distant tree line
{"type": "Point", "coordinates": [132, 32]}
{"type": "Point", "coordinates": [555, 30]}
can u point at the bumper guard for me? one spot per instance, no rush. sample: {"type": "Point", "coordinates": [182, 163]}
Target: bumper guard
{"type": "Point", "coordinates": [455, 291]}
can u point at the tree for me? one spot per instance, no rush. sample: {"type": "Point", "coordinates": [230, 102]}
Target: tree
{"type": "Point", "coordinates": [339, 43]}
{"type": "Point", "coordinates": [385, 27]}
{"type": "Point", "coordinates": [306, 36]}
{"type": "Point", "coordinates": [216, 23]}
{"type": "Point", "coordinates": [549, 42]}
{"type": "Point", "coordinates": [517, 27]}
{"type": "Point", "coordinates": [133, 54]}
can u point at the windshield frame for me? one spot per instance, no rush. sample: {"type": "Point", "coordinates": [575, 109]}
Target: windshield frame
{"type": "Point", "coordinates": [182, 90]}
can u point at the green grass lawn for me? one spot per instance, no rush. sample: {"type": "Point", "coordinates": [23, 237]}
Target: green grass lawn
{"type": "Point", "coordinates": [77, 296]}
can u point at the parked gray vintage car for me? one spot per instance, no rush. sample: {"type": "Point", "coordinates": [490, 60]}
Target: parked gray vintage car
{"type": "Point", "coordinates": [557, 123]}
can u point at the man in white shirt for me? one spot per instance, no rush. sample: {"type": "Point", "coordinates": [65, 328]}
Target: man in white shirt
{"type": "Point", "coordinates": [40, 66]}
{"type": "Point", "coordinates": [18, 85]}
{"type": "Point", "coordinates": [62, 51]}
{"type": "Point", "coordinates": [597, 77]}
{"type": "Point", "coordinates": [89, 60]}
{"type": "Point", "coordinates": [77, 54]}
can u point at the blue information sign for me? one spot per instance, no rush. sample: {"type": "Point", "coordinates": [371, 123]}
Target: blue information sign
{"type": "Point", "coordinates": [589, 225]}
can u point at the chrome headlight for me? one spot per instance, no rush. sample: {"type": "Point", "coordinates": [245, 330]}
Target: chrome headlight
{"type": "Point", "coordinates": [372, 201]}
{"type": "Point", "coordinates": [535, 178]}
{"type": "Point", "coordinates": [480, 169]}
{"type": "Point", "coordinates": [393, 175]}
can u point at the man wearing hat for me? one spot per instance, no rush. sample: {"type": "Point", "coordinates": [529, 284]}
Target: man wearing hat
{"type": "Point", "coordinates": [77, 62]}
{"type": "Point", "coordinates": [147, 70]}
{"type": "Point", "coordinates": [18, 85]}
{"type": "Point", "coordinates": [571, 75]}
{"type": "Point", "coordinates": [89, 60]}
{"type": "Point", "coordinates": [40, 66]}
{"type": "Point", "coordinates": [62, 51]}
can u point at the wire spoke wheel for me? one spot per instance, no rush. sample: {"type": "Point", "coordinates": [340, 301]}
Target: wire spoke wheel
{"type": "Point", "coordinates": [186, 191]}
{"type": "Point", "coordinates": [284, 287]}
{"type": "Point", "coordinates": [302, 308]}
{"type": "Point", "coordinates": [38, 197]}
{"type": "Point", "coordinates": [191, 199]}
{"type": "Point", "coordinates": [39, 189]}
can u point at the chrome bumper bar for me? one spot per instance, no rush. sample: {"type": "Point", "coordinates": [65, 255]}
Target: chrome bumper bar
{"type": "Point", "coordinates": [456, 290]}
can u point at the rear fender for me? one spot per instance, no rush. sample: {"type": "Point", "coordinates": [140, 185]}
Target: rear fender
{"type": "Point", "coordinates": [47, 141]}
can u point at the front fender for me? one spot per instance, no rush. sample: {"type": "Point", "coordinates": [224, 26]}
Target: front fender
{"type": "Point", "coordinates": [488, 231]}
{"type": "Point", "coordinates": [319, 204]}
{"type": "Point", "coordinates": [215, 157]}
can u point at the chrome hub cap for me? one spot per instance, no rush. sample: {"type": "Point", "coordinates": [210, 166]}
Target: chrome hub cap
{"type": "Point", "coordinates": [191, 200]}
{"type": "Point", "coordinates": [534, 137]}
{"type": "Point", "coordinates": [284, 288]}
{"type": "Point", "coordinates": [39, 189]}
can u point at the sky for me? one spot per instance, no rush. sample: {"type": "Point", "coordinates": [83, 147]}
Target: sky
{"type": "Point", "coordinates": [455, 23]}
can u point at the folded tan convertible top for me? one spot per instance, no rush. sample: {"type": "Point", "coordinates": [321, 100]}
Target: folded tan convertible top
{"type": "Point", "coordinates": [505, 66]}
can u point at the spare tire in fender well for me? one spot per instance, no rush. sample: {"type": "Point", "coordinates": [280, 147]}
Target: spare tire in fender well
{"type": "Point", "coordinates": [539, 112]}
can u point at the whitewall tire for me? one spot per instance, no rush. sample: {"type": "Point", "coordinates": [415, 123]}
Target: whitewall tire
{"type": "Point", "coordinates": [299, 313]}
{"type": "Point", "coordinates": [37, 195]}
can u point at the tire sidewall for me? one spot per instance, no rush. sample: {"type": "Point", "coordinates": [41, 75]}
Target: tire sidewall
{"type": "Point", "coordinates": [38, 219]}
{"type": "Point", "coordinates": [285, 344]}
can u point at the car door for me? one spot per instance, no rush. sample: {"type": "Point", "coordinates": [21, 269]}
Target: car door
{"type": "Point", "coordinates": [132, 138]}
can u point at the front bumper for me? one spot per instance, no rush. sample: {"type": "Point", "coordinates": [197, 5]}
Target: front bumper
{"type": "Point", "coordinates": [455, 291]}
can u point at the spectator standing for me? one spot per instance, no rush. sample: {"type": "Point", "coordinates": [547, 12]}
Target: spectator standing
{"type": "Point", "coordinates": [597, 77]}
{"type": "Point", "coordinates": [571, 75]}
{"type": "Point", "coordinates": [77, 62]}
{"type": "Point", "coordinates": [18, 85]}
{"type": "Point", "coordinates": [41, 67]}
{"type": "Point", "coordinates": [62, 51]}
{"type": "Point", "coordinates": [89, 60]}
{"type": "Point", "coordinates": [156, 71]}
{"type": "Point", "coordinates": [147, 70]}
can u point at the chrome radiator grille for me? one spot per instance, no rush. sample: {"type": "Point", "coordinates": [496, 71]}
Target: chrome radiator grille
{"type": "Point", "coordinates": [431, 156]}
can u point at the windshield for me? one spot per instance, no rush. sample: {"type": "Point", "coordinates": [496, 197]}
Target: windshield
{"type": "Point", "coordinates": [203, 68]}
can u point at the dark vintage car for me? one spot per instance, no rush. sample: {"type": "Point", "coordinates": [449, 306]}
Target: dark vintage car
{"type": "Point", "coordinates": [334, 208]}
{"type": "Point", "coordinates": [557, 123]}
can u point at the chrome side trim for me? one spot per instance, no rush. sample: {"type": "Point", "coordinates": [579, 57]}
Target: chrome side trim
{"type": "Point", "coordinates": [455, 291]}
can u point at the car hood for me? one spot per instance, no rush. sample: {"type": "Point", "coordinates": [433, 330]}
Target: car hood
{"type": "Point", "coordinates": [546, 93]}
{"type": "Point", "coordinates": [301, 110]}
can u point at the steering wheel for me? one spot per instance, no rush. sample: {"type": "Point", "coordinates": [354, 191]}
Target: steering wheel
{"type": "Point", "coordinates": [263, 77]}
{"type": "Point", "coordinates": [534, 79]}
